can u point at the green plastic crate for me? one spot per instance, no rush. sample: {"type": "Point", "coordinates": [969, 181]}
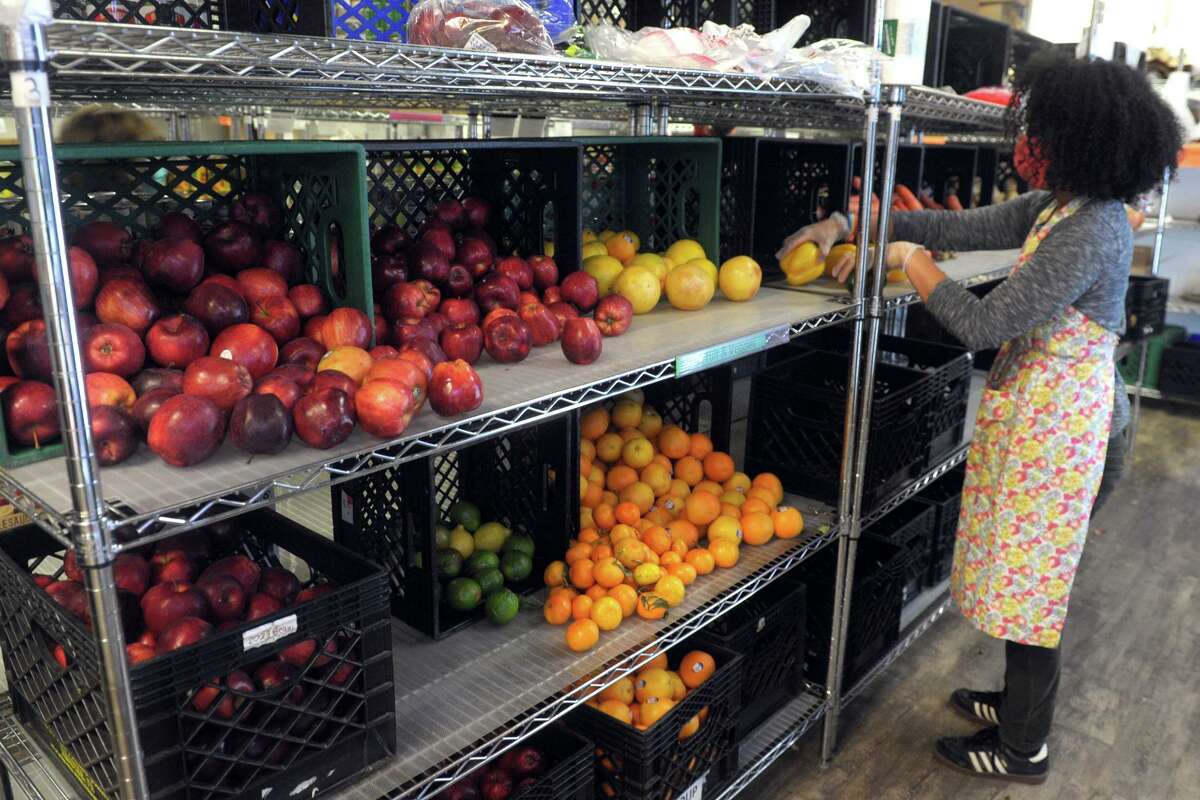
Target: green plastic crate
{"type": "Point", "coordinates": [319, 186]}
{"type": "Point", "coordinates": [661, 188]}
{"type": "Point", "coordinates": [1157, 344]}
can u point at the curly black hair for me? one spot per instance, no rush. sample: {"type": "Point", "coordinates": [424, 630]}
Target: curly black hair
{"type": "Point", "coordinates": [1103, 129]}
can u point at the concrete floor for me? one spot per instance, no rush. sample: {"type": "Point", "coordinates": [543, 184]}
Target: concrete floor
{"type": "Point", "coordinates": [1128, 704]}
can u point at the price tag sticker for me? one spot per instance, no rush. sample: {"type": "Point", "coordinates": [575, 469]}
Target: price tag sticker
{"type": "Point", "coordinates": [725, 352]}
{"type": "Point", "coordinates": [695, 791]}
{"type": "Point", "coordinates": [270, 633]}
{"type": "Point", "coordinates": [29, 89]}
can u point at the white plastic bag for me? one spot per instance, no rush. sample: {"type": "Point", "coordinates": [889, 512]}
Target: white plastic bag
{"type": "Point", "coordinates": [506, 26]}
{"type": "Point", "coordinates": [844, 65]}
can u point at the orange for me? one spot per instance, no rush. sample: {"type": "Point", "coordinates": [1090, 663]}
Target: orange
{"type": "Point", "coordinates": [585, 518]}
{"type": "Point", "coordinates": [678, 687]}
{"type": "Point", "coordinates": [647, 574]}
{"type": "Point", "coordinates": [766, 495]}
{"type": "Point", "coordinates": [555, 574]}
{"type": "Point", "coordinates": [788, 522]}
{"type": "Point", "coordinates": [724, 552]}
{"type": "Point", "coordinates": [699, 446]}
{"type": "Point", "coordinates": [620, 711]}
{"type": "Point", "coordinates": [673, 442]}
{"type": "Point", "coordinates": [718, 467]}
{"type": "Point", "coordinates": [623, 246]}
{"type": "Point", "coordinates": [626, 596]}
{"type": "Point", "coordinates": [679, 488]}
{"type": "Point", "coordinates": [620, 690]}
{"type": "Point", "coordinates": [582, 634]}
{"type": "Point", "coordinates": [627, 513]}
{"type": "Point", "coordinates": [652, 423]}
{"type": "Point", "coordinates": [564, 591]}
{"type": "Point", "coordinates": [701, 559]}
{"type": "Point", "coordinates": [666, 463]}
{"type": "Point", "coordinates": [651, 557]}
{"type": "Point", "coordinates": [637, 452]}
{"type": "Point", "coordinates": [652, 683]}
{"type": "Point", "coordinates": [557, 609]}
{"type": "Point", "coordinates": [757, 528]}
{"type": "Point", "coordinates": [604, 517]}
{"type": "Point", "coordinates": [671, 589]}
{"type": "Point", "coordinates": [596, 591]}
{"type": "Point", "coordinates": [682, 529]}
{"type": "Point", "coordinates": [659, 516]}
{"type": "Point", "coordinates": [755, 505]}
{"type": "Point", "coordinates": [657, 539]}
{"type": "Point", "coordinates": [659, 661]}
{"type": "Point", "coordinates": [621, 531]}
{"type": "Point", "coordinates": [606, 613]}
{"type": "Point", "coordinates": [610, 498]}
{"type": "Point", "coordinates": [653, 712]}
{"type": "Point", "coordinates": [768, 481]}
{"type": "Point", "coordinates": [651, 606]}
{"type": "Point", "coordinates": [712, 487]}
{"type": "Point", "coordinates": [590, 494]}
{"type": "Point", "coordinates": [626, 413]}
{"type": "Point", "coordinates": [643, 525]}
{"type": "Point", "coordinates": [737, 482]}
{"type": "Point", "coordinates": [596, 474]}
{"type": "Point", "coordinates": [679, 547]}
{"type": "Point", "coordinates": [685, 572]}
{"type": "Point", "coordinates": [687, 731]}
{"type": "Point", "coordinates": [589, 536]}
{"type": "Point", "coordinates": [594, 423]}
{"type": "Point", "coordinates": [668, 558]}
{"type": "Point", "coordinates": [630, 434]}
{"type": "Point", "coordinates": [581, 607]}
{"type": "Point", "coordinates": [608, 447]}
{"type": "Point", "coordinates": [640, 495]}
{"type": "Point", "coordinates": [696, 667]}
{"type": "Point", "coordinates": [630, 552]}
{"type": "Point", "coordinates": [689, 470]}
{"type": "Point", "coordinates": [702, 508]}
{"type": "Point", "coordinates": [608, 573]}
{"type": "Point", "coordinates": [620, 476]}
{"type": "Point", "coordinates": [730, 510]}
{"type": "Point", "coordinates": [582, 576]}
{"type": "Point", "coordinates": [577, 552]}
{"type": "Point", "coordinates": [601, 550]}
{"type": "Point", "coordinates": [585, 465]}
{"type": "Point", "coordinates": [587, 448]}
{"type": "Point", "coordinates": [733, 497]}
{"type": "Point", "coordinates": [725, 528]}
{"type": "Point", "coordinates": [657, 477]}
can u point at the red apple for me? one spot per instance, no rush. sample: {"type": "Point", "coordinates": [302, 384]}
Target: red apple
{"type": "Point", "coordinates": [333, 379]}
{"type": "Point", "coordinates": [346, 326]}
{"type": "Point", "coordinates": [30, 413]}
{"type": "Point", "coordinates": [182, 632]}
{"type": "Point", "coordinates": [217, 306]}
{"type": "Point", "coordinates": [178, 225]}
{"type": "Point", "coordinates": [517, 269]}
{"type": "Point", "coordinates": [496, 784]}
{"type": "Point", "coordinates": [107, 389]}
{"type": "Point", "coordinates": [552, 295]}
{"type": "Point", "coordinates": [107, 243]}
{"type": "Point", "coordinates": [497, 291]}
{"type": "Point", "coordinates": [232, 247]}
{"type": "Point", "coordinates": [262, 605]}
{"type": "Point", "coordinates": [136, 653]}
{"type": "Point", "coordinates": [24, 304]}
{"type": "Point", "coordinates": [478, 211]}
{"type": "Point", "coordinates": [545, 271]}
{"type": "Point", "coordinates": [299, 653]}
{"type": "Point", "coordinates": [614, 315]}
{"type": "Point", "coordinates": [186, 429]}
{"type": "Point", "coordinates": [495, 314]}
{"type": "Point", "coordinates": [177, 265]}
{"type": "Point", "coordinates": [17, 260]}
{"type": "Point", "coordinates": [225, 596]}
{"type": "Point", "coordinates": [286, 390]}
{"type": "Point", "coordinates": [303, 351]}
{"type": "Point", "coordinates": [85, 277]}
{"type": "Point", "coordinates": [260, 283]}
{"type": "Point", "coordinates": [312, 329]}
{"type": "Point", "coordinates": [7, 381]}
{"type": "Point", "coordinates": [71, 567]}
{"type": "Point", "coordinates": [284, 259]}
{"type": "Point", "coordinates": [248, 345]}
{"type": "Point", "coordinates": [172, 565]}
{"type": "Point", "coordinates": [280, 583]}
{"type": "Point", "coordinates": [302, 374]}
{"type": "Point", "coordinates": [220, 380]}
{"type": "Point", "coordinates": [228, 281]}
{"type": "Point", "coordinates": [420, 359]}
{"type": "Point", "coordinates": [581, 340]}
{"type": "Point", "coordinates": [410, 301]}
{"type": "Point", "coordinates": [463, 342]}
{"type": "Point", "coordinates": [309, 300]}
{"type": "Point", "coordinates": [562, 311]}
{"type": "Point", "coordinates": [197, 543]}
{"type": "Point", "coordinates": [147, 406]}
{"type": "Point", "coordinates": [385, 407]}
{"type": "Point", "coordinates": [451, 212]}
{"type": "Point", "coordinates": [260, 423]}
{"type": "Point", "coordinates": [131, 573]}
{"type": "Point", "coordinates": [439, 240]}
{"type": "Point", "coordinates": [278, 317]}
{"type": "Point", "coordinates": [404, 332]}
{"type": "Point", "coordinates": [388, 240]}
{"type": "Point", "coordinates": [428, 348]}
{"type": "Point", "coordinates": [324, 418]}
{"type": "Point", "coordinates": [129, 303]}
{"type": "Point", "coordinates": [259, 210]}
{"type": "Point", "coordinates": [455, 388]}
{"type": "Point", "coordinates": [115, 435]}
{"type": "Point", "coordinates": [473, 250]}
{"type": "Point", "coordinates": [401, 370]}
{"type": "Point", "coordinates": [154, 378]}
{"type": "Point", "coordinates": [580, 290]}
{"type": "Point", "coordinates": [380, 324]}
{"type": "Point", "coordinates": [176, 341]}
{"type": "Point", "coordinates": [459, 312]}
{"type": "Point", "coordinates": [507, 340]}
{"type": "Point", "coordinates": [122, 271]}
{"type": "Point", "coordinates": [164, 603]}
{"type": "Point", "coordinates": [314, 591]}
{"type": "Point", "coordinates": [29, 351]}
{"type": "Point", "coordinates": [382, 352]}
{"type": "Point", "coordinates": [148, 638]}
{"type": "Point", "coordinates": [460, 281]}
{"type": "Point", "coordinates": [526, 298]}
{"type": "Point", "coordinates": [71, 596]}
{"type": "Point", "coordinates": [387, 270]}
{"type": "Point", "coordinates": [431, 263]}
{"type": "Point", "coordinates": [239, 567]}
{"type": "Point", "coordinates": [544, 327]}
{"type": "Point", "coordinates": [114, 348]}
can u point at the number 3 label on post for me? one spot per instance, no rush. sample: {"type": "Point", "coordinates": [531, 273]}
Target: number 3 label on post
{"type": "Point", "coordinates": [29, 89]}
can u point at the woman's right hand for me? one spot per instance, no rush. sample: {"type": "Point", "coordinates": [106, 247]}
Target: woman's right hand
{"type": "Point", "coordinates": [824, 234]}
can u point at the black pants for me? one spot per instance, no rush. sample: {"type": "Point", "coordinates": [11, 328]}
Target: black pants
{"type": "Point", "coordinates": [1031, 672]}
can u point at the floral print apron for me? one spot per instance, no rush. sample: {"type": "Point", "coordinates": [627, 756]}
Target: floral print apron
{"type": "Point", "coordinates": [1033, 470]}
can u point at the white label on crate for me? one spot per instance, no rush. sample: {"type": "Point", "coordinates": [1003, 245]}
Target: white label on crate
{"type": "Point", "coordinates": [347, 508]}
{"type": "Point", "coordinates": [29, 89]}
{"type": "Point", "coordinates": [694, 791]}
{"type": "Point", "coordinates": [264, 635]}
{"type": "Point", "coordinates": [700, 360]}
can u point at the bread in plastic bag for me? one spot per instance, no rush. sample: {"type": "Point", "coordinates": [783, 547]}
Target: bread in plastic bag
{"type": "Point", "coordinates": [505, 26]}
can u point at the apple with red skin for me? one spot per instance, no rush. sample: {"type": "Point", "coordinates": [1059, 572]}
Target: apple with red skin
{"type": "Point", "coordinates": [24, 304]}
{"type": "Point", "coordinates": [302, 351]}
{"type": "Point", "coordinates": [228, 281]}
{"type": "Point", "coordinates": [260, 424]}
{"type": "Point", "coordinates": [122, 271]}
{"type": "Point", "coordinates": [277, 674]}
{"type": "Point", "coordinates": [507, 339]}
{"type": "Point", "coordinates": [115, 434]}
{"type": "Point", "coordinates": [5, 293]}
{"type": "Point", "coordinates": [309, 300]}
{"type": "Point", "coordinates": [262, 605]}
{"type": "Point", "coordinates": [172, 565]}
{"type": "Point", "coordinates": [418, 358]}
{"type": "Point", "coordinates": [17, 260]}
{"type": "Point", "coordinates": [302, 375]}
{"type": "Point", "coordinates": [147, 406]}
{"type": "Point", "coordinates": [312, 329]}
{"type": "Point", "coordinates": [614, 315]}
{"type": "Point", "coordinates": [346, 326]}
{"type": "Point", "coordinates": [478, 211]}
{"type": "Point", "coordinates": [232, 247]}
{"type": "Point", "coordinates": [109, 244]}
{"type": "Point", "coordinates": [314, 591]}
{"type": "Point", "coordinates": [497, 291]}
{"type": "Point", "coordinates": [131, 573]}
{"type": "Point", "coordinates": [280, 583]}
{"type": "Point", "coordinates": [203, 698]}
{"type": "Point", "coordinates": [387, 270]}
{"type": "Point", "coordinates": [196, 543]}
{"type": "Point", "coordinates": [333, 379]}
{"type": "Point", "coordinates": [405, 332]}
{"type": "Point", "coordinates": [259, 210]}
{"type": "Point", "coordinates": [518, 269]}
{"type": "Point", "coordinates": [137, 652]}
{"type": "Point", "coordinates": [496, 784]}
{"type": "Point", "coordinates": [526, 298]}
{"type": "Point", "coordinates": [71, 567]}
{"type": "Point", "coordinates": [30, 413]}
{"type": "Point", "coordinates": [580, 290]}
{"type": "Point", "coordinates": [438, 240]}
{"type": "Point", "coordinates": [85, 277]}
{"type": "Point", "coordinates": [382, 352]}
{"type": "Point", "coordinates": [175, 341]}
{"type": "Point", "coordinates": [221, 380]}
{"type": "Point", "coordinates": [389, 240]}
{"type": "Point", "coordinates": [380, 323]}
{"type": "Point", "coordinates": [217, 306]}
{"type": "Point", "coordinates": [42, 581]}
{"type": "Point", "coordinates": [464, 789]}
{"type": "Point", "coordinates": [545, 271]}
{"type": "Point", "coordinates": [324, 418]}
{"type": "Point", "coordinates": [463, 342]}
{"type": "Point", "coordinates": [552, 295]}
{"type": "Point", "coordinates": [582, 341]}
{"type": "Point", "coordinates": [455, 388]}
{"type": "Point", "coordinates": [177, 265]}
{"type": "Point", "coordinates": [107, 389]}
{"type": "Point", "coordinates": [402, 370]}
{"type": "Point", "coordinates": [460, 281]}
{"type": "Point", "coordinates": [457, 311]}
{"type": "Point", "coordinates": [129, 303]}
{"type": "Point", "coordinates": [71, 596]}
{"type": "Point", "coordinates": [544, 327]}
{"type": "Point", "coordinates": [284, 389]}
{"type": "Point", "coordinates": [226, 597]}
{"type": "Point", "coordinates": [411, 300]}
{"type": "Point", "coordinates": [299, 653]}
{"type": "Point", "coordinates": [29, 351]}
{"type": "Point", "coordinates": [562, 311]}
{"type": "Point", "coordinates": [183, 632]}
{"type": "Point", "coordinates": [428, 348]}
{"type": "Point", "coordinates": [451, 212]}
{"type": "Point", "coordinates": [186, 429]}
{"type": "Point", "coordinates": [495, 314]}
{"type": "Point", "coordinates": [431, 263]}
{"type": "Point", "coordinates": [278, 317]}
{"type": "Point", "coordinates": [259, 283]}
{"type": "Point", "coordinates": [384, 407]}
{"type": "Point", "coordinates": [239, 567]}
{"type": "Point", "coordinates": [7, 381]}
{"type": "Point", "coordinates": [163, 603]}
{"type": "Point", "coordinates": [473, 250]}
{"type": "Point", "coordinates": [177, 225]}
{"type": "Point", "coordinates": [248, 345]}
{"type": "Point", "coordinates": [157, 378]}
{"type": "Point", "coordinates": [284, 259]}
{"type": "Point", "coordinates": [526, 762]}
{"type": "Point", "coordinates": [148, 638]}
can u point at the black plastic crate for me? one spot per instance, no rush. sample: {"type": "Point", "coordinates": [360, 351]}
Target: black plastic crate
{"type": "Point", "coordinates": [273, 742]}
{"type": "Point", "coordinates": [654, 764]}
{"type": "Point", "coordinates": [920, 324]}
{"type": "Point", "coordinates": [699, 403]}
{"type": "Point", "coordinates": [1022, 48]}
{"type": "Point", "coordinates": [944, 498]}
{"type": "Point", "coordinates": [772, 187]}
{"type": "Point", "coordinates": [908, 167]}
{"type": "Point", "coordinates": [974, 50]}
{"type": "Point", "coordinates": [300, 17]}
{"type": "Point", "coordinates": [797, 413]}
{"type": "Point", "coordinates": [949, 170]}
{"type": "Point", "coordinates": [911, 528]}
{"type": "Point", "coordinates": [998, 174]}
{"type": "Point", "coordinates": [875, 605]}
{"type": "Point", "coordinates": [532, 185]}
{"type": "Point", "coordinates": [1180, 374]}
{"type": "Point", "coordinates": [768, 631]}
{"type": "Point", "coordinates": [1145, 306]}
{"type": "Point", "coordinates": [834, 19]}
{"type": "Point", "coordinates": [390, 516]}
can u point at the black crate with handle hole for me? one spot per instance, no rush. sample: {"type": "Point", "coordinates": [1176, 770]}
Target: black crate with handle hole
{"type": "Point", "coordinates": [531, 185]}
{"type": "Point", "coordinates": [299, 17]}
{"type": "Point", "coordinates": [911, 528]}
{"type": "Point", "coordinates": [1180, 374]}
{"type": "Point", "coordinates": [768, 630]}
{"type": "Point", "coordinates": [797, 413]}
{"type": "Point", "coordinates": [876, 601]}
{"type": "Point", "coordinates": [1145, 306]}
{"type": "Point", "coordinates": [329, 718]}
{"type": "Point", "coordinates": [517, 479]}
{"type": "Point", "coordinates": [944, 498]}
{"type": "Point", "coordinates": [655, 764]}
{"type": "Point", "coordinates": [773, 187]}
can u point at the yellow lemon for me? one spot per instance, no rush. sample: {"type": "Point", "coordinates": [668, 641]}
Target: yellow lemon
{"type": "Point", "coordinates": [739, 278]}
{"type": "Point", "coordinates": [708, 266]}
{"type": "Point", "coordinates": [639, 286]}
{"type": "Point", "coordinates": [685, 250]}
{"type": "Point", "coordinates": [604, 269]}
{"type": "Point", "coordinates": [593, 248]}
{"type": "Point", "coordinates": [689, 287]}
{"type": "Point", "coordinates": [653, 262]}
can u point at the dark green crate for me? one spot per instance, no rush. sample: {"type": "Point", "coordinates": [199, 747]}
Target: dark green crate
{"type": "Point", "coordinates": [319, 186]}
{"type": "Point", "coordinates": [1157, 344]}
{"type": "Point", "coordinates": [662, 188]}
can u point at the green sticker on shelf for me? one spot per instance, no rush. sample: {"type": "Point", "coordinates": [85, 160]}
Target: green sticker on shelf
{"type": "Point", "coordinates": [700, 360]}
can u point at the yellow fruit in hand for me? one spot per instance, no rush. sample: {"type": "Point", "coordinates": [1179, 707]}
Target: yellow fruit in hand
{"type": "Point", "coordinates": [604, 269]}
{"type": "Point", "coordinates": [709, 268]}
{"type": "Point", "coordinates": [653, 262]}
{"type": "Point", "coordinates": [835, 256]}
{"type": "Point", "coordinates": [639, 286]}
{"type": "Point", "coordinates": [896, 276]}
{"type": "Point", "coordinates": [803, 264]}
{"type": "Point", "coordinates": [685, 250]}
{"type": "Point", "coordinates": [593, 248]}
{"type": "Point", "coordinates": [689, 288]}
{"type": "Point", "coordinates": [739, 278]}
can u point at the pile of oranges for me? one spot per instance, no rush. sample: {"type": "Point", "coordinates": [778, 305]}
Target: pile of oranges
{"type": "Point", "coordinates": [647, 697]}
{"type": "Point", "coordinates": [659, 508]}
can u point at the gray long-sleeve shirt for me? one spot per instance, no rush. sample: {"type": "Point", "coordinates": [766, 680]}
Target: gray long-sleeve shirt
{"type": "Point", "coordinates": [1083, 262]}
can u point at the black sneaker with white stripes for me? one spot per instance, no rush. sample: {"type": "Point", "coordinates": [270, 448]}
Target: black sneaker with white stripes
{"type": "Point", "coordinates": [977, 706]}
{"type": "Point", "coordinates": [985, 756]}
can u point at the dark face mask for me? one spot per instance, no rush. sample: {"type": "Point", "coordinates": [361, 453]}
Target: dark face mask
{"type": "Point", "coordinates": [1029, 163]}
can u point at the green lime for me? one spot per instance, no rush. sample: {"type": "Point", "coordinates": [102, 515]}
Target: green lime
{"type": "Point", "coordinates": [441, 536]}
{"type": "Point", "coordinates": [491, 536]}
{"type": "Point", "coordinates": [481, 560]}
{"type": "Point", "coordinates": [502, 607]}
{"type": "Point", "coordinates": [463, 594]}
{"type": "Point", "coordinates": [449, 563]}
{"type": "Point", "coordinates": [521, 543]}
{"type": "Point", "coordinates": [490, 581]}
{"type": "Point", "coordinates": [462, 541]}
{"type": "Point", "coordinates": [516, 566]}
{"type": "Point", "coordinates": [466, 514]}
